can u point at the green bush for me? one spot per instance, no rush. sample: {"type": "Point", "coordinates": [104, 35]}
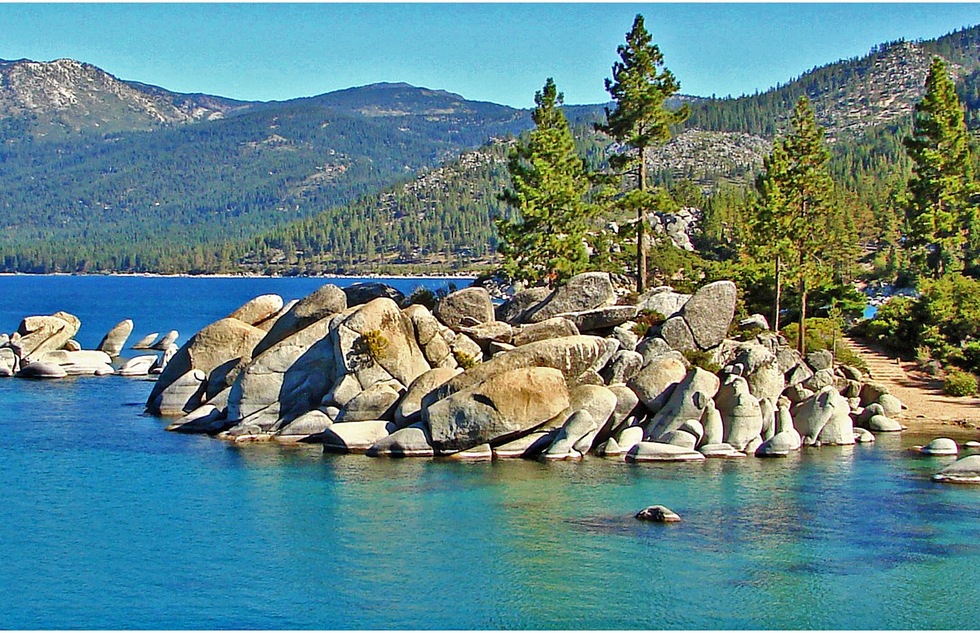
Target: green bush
{"type": "Point", "coordinates": [424, 297]}
{"type": "Point", "coordinates": [375, 344]}
{"type": "Point", "coordinates": [970, 352]}
{"type": "Point", "coordinates": [704, 360]}
{"type": "Point", "coordinates": [896, 325]}
{"type": "Point", "coordinates": [463, 359]}
{"type": "Point", "coordinates": [960, 383]}
{"type": "Point", "coordinates": [820, 334]}
{"type": "Point", "coordinates": [646, 320]}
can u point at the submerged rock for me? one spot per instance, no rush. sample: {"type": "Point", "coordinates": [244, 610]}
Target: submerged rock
{"type": "Point", "coordinates": [658, 514]}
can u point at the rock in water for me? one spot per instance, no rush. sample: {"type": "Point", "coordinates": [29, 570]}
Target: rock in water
{"type": "Point", "coordinates": [658, 514]}
{"type": "Point", "coordinates": [214, 345]}
{"type": "Point", "coordinates": [963, 471]}
{"type": "Point", "coordinates": [940, 446]}
{"type": "Point", "coordinates": [169, 339]}
{"type": "Point", "coordinates": [115, 340]}
{"type": "Point", "coordinates": [285, 381]}
{"type": "Point", "coordinates": [657, 452]}
{"type": "Point", "coordinates": [41, 371]}
{"type": "Point", "coordinates": [39, 334]}
{"type": "Point", "coordinates": [500, 409]}
{"type": "Point", "coordinates": [147, 341]}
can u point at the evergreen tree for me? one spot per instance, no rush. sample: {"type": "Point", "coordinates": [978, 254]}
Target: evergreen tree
{"type": "Point", "coordinates": [546, 241]}
{"type": "Point", "coordinates": [794, 209]}
{"type": "Point", "coordinates": [942, 222]}
{"type": "Point", "coordinates": [640, 87]}
{"type": "Point", "coordinates": [768, 236]}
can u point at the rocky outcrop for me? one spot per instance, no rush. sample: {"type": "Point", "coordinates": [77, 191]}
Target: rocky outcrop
{"type": "Point", "coordinates": [38, 334]}
{"type": "Point", "coordinates": [400, 382]}
{"type": "Point", "coordinates": [218, 343]}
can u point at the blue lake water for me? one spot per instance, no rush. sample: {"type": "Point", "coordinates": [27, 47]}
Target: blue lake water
{"type": "Point", "coordinates": [108, 521]}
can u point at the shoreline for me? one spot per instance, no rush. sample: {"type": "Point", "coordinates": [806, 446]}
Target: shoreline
{"type": "Point", "coordinates": [237, 276]}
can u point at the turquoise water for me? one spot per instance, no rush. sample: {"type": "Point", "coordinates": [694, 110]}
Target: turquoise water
{"type": "Point", "coordinates": [107, 521]}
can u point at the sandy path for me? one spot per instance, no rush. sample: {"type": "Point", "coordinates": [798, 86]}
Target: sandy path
{"type": "Point", "coordinates": [930, 412]}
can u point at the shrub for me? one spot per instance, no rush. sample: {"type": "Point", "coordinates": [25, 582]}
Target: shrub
{"type": "Point", "coordinates": [424, 297]}
{"type": "Point", "coordinates": [374, 344]}
{"type": "Point", "coordinates": [960, 383]}
{"type": "Point", "coordinates": [895, 325]}
{"type": "Point", "coordinates": [646, 320]}
{"type": "Point", "coordinates": [463, 359]}
{"type": "Point", "coordinates": [970, 353]}
{"type": "Point", "coordinates": [704, 360]}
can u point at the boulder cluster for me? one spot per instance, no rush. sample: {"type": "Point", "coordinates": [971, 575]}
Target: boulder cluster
{"type": "Point", "coordinates": [553, 374]}
{"type": "Point", "coordinates": [44, 347]}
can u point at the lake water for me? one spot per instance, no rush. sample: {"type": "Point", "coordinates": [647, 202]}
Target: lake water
{"type": "Point", "coordinates": [108, 521]}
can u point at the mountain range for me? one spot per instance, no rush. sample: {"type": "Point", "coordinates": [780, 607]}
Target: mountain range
{"type": "Point", "coordinates": [99, 174]}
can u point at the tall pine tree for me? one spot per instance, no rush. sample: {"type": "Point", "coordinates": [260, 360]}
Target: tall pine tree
{"type": "Point", "coordinates": [546, 241]}
{"type": "Point", "coordinates": [640, 87]}
{"type": "Point", "coordinates": [943, 235]}
{"type": "Point", "coordinates": [793, 209]}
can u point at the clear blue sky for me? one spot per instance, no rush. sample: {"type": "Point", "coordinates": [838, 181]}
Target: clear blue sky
{"type": "Point", "coordinates": [490, 52]}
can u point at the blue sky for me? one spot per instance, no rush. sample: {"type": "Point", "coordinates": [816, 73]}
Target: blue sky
{"type": "Point", "coordinates": [490, 52]}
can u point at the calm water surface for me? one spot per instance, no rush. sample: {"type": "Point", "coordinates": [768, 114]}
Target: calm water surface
{"type": "Point", "coordinates": [107, 521]}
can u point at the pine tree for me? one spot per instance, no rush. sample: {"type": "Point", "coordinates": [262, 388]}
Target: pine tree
{"type": "Point", "coordinates": [640, 87]}
{"type": "Point", "coordinates": [942, 222]}
{"type": "Point", "coordinates": [794, 208]}
{"type": "Point", "coordinates": [768, 227]}
{"type": "Point", "coordinates": [546, 242]}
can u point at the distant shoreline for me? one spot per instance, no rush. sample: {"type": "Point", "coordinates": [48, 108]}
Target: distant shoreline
{"type": "Point", "coordinates": [241, 276]}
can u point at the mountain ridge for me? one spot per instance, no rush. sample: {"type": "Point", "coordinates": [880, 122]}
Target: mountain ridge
{"type": "Point", "coordinates": [175, 176]}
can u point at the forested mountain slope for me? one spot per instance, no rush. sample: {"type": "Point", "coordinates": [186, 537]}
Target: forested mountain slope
{"type": "Point", "coordinates": [102, 174]}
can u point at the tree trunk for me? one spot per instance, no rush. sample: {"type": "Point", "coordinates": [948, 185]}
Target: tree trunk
{"type": "Point", "coordinates": [641, 243]}
{"type": "Point", "coordinates": [801, 337]}
{"type": "Point", "coordinates": [779, 292]}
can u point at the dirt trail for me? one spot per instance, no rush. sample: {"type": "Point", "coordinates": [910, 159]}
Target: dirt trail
{"type": "Point", "coordinates": [930, 412]}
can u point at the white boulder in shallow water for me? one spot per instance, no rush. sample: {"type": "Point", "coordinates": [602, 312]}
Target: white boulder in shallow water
{"type": "Point", "coordinates": [41, 371]}
{"type": "Point", "coordinates": [9, 363]}
{"type": "Point", "coordinates": [176, 398]}
{"type": "Point", "coordinates": [657, 452]}
{"type": "Point", "coordinates": [39, 334]}
{"type": "Point", "coordinates": [940, 446]}
{"type": "Point", "coordinates": [216, 344]}
{"type": "Point", "coordinates": [147, 341]}
{"type": "Point", "coordinates": [81, 363]}
{"type": "Point", "coordinates": [962, 471]}
{"type": "Point", "coordinates": [411, 441]}
{"type": "Point", "coordinates": [354, 437]}
{"type": "Point", "coordinates": [115, 339]}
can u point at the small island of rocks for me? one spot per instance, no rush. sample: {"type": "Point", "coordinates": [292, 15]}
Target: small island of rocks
{"type": "Point", "coordinates": [588, 368]}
